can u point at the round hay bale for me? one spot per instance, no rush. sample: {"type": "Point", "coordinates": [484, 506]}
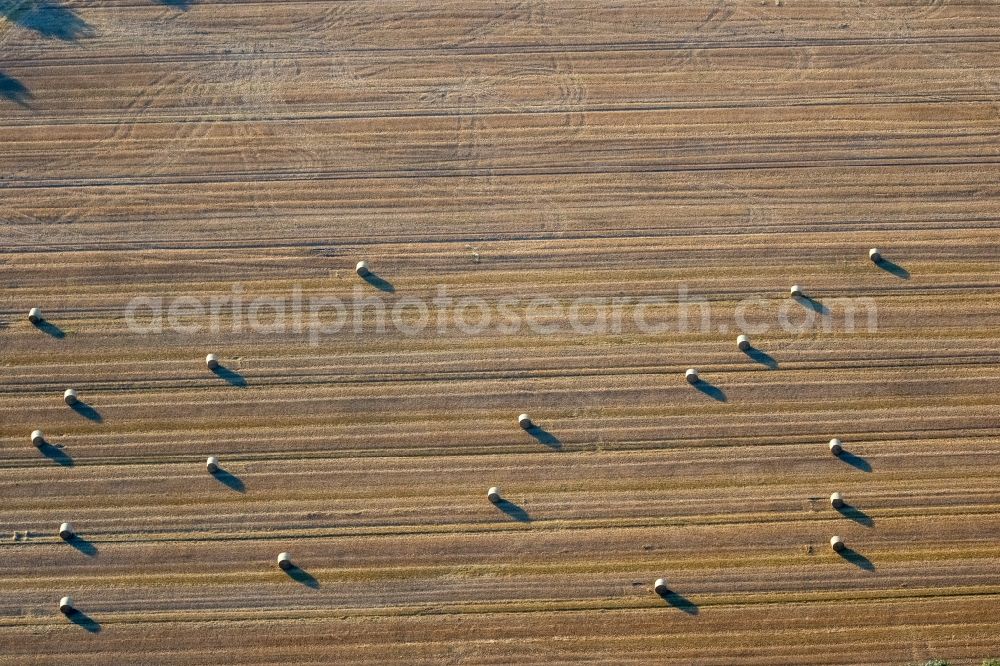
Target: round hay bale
{"type": "Point", "coordinates": [212, 465]}
{"type": "Point", "coordinates": [284, 561]}
{"type": "Point", "coordinates": [743, 342]}
{"type": "Point", "coordinates": [212, 361]}
{"type": "Point", "coordinates": [795, 291]}
{"type": "Point", "coordinates": [493, 494]}
{"type": "Point", "coordinates": [66, 531]}
{"type": "Point", "coordinates": [362, 269]}
{"type": "Point", "coordinates": [691, 375]}
{"type": "Point", "coordinates": [837, 500]}
{"type": "Point", "coordinates": [836, 448]}
{"type": "Point", "coordinates": [70, 397]}
{"type": "Point", "coordinates": [525, 422]}
{"type": "Point", "coordinates": [66, 605]}
{"type": "Point", "coordinates": [37, 437]}
{"type": "Point", "coordinates": [837, 544]}
{"type": "Point", "coordinates": [34, 315]}
{"type": "Point", "coordinates": [660, 586]}
{"type": "Point", "coordinates": [875, 255]}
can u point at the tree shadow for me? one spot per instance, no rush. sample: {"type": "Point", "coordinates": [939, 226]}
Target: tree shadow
{"type": "Point", "coordinates": [229, 480]}
{"type": "Point", "coordinates": [857, 559]}
{"type": "Point", "coordinates": [857, 515]}
{"type": "Point", "coordinates": [230, 376]}
{"type": "Point", "coordinates": [56, 454]}
{"type": "Point", "coordinates": [47, 327]}
{"type": "Point", "coordinates": [761, 357]}
{"type": "Point", "coordinates": [86, 411]}
{"type": "Point", "coordinates": [379, 283]}
{"type": "Point", "coordinates": [514, 511]}
{"type": "Point", "coordinates": [679, 601]}
{"type": "Point", "coordinates": [79, 618]}
{"type": "Point", "coordinates": [82, 545]}
{"type": "Point", "coordinates": [302, 576]}
{"type": "Point", "coordinates": [13, 90]}
{"type": "Point", "coordinates": [543, 436]}
{"type": "Point", "coordinates": [855, 461]}
{"type": "Point", "coordinates": [893, 268]}
{"type": "Point", "coordinates": [49, 18]}
{"type": "Point", "coordinates": [712, 391]}
{"type": "Point", "coordinates": [813, 304]}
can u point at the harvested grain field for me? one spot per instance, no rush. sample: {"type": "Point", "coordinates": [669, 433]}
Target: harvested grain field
{"type": "Point", "coordinates": [564, 206]}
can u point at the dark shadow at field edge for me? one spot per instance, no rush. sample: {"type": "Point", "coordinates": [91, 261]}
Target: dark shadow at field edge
{"type": "Point", "coordinates": [48, 18]}
{"type": "Point", "coordinates": [182, 5]}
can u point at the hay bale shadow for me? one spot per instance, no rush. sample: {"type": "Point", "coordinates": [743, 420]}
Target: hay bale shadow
{"type": "Point", "coordinates": [81, 619]}
{"type": "Point", "coordinates": [87, 411]}
{"type": "Point", "coordinates": [301, 576]}
{"type": "Point", "coordinates": [893, 268]}
{"type": "Point", "coordinates": [514, 511]}
{"type": "Point", "coordinates": [679, 601]}
{"type": "Point", "coordinates": [56, 455]}
{"type": "Point", "coordinates": [379, 283]}
{"type": "Point", "coordinates": [229, 376]}
{"type": "Point", "coordinates": [542, 436]}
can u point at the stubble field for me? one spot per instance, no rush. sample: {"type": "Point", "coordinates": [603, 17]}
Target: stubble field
{"type": "Point", "coordinates": [722, 150]}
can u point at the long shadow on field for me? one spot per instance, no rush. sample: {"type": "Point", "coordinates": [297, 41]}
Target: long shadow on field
{"type": "Point", "coordinates": [56, 455]}
{"type": "Point", "coordinates": [379, 283]}
{"type": "Point", "coordinates": [13, 90]}
{"type": "Point", "coordinates": [680, 602]}
{"type": "Point", "coordinates": [82, 545]}
{"type": "Point", "coordinates": [79, 618]}
{"type": "Point", "coordinates": [762, 357]}
{"type": "Point", "coordinates": [230, 376]}
{"type": "Point", "coordinates": [49, 18]}
{"type": "Point", "coordinates": [813, 304]}
{"type": "Point", "coordinates": [514, 511]}
{"type": "Point", "coordinates": [87, 411]}
{"type": "Point", "coordinates": [857, 515]}
{"type": "Point", "coordinates": [855, 461]}
{"type": "Point", "coordinates": [48, 328]}
{"type": "Point", "coordinates": [229, 480]}
{"type": "Point", "coordinates": [712, 391]}
{"type": "Point", "coordinates": [857, 559]}
{"type": "Point", "coordinates": [302, 576]}
{"type": "Point", "coordinates": [893, 268]}
{"type": "Point", "coordinates": [543, 436]}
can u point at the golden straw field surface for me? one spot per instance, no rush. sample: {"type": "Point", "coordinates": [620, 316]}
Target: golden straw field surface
{"type": "Point", "coordinates": [564, 205]}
